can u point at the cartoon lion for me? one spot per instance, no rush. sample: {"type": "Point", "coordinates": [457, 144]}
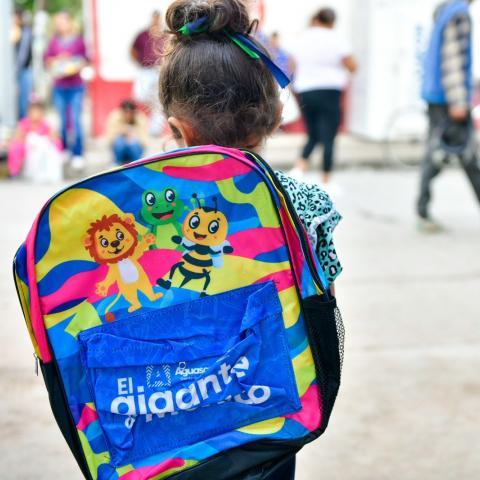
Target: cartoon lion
{"type": "Point", "coordinates": [113, 241]}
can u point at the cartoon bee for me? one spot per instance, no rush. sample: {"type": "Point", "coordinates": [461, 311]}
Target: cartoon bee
{"type": "Point", "coordinates": [204, 239]}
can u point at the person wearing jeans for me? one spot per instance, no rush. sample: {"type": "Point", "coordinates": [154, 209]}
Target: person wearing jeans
{"type": "Point", "coordinates": [127, 132]}
{"type": "Point", "coordinates": [323, 61]}
{"type": "Point", "coordinates": [447, 89]}
{"type": "Point", "coordinates": [68, 101]}
{"type": "Point", "coordinates": [65, 57]}
{"type": "Point", "coordinates": [22, 38]}
{"type": "Point", "coordinates": [126, 150]}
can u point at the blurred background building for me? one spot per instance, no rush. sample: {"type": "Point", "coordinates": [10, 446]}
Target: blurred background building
{"type": "Point", "coordinates": [388, 38]}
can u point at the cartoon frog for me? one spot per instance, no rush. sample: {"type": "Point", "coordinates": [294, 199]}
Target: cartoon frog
{"type": "Point", "coordinates": [161, 211]}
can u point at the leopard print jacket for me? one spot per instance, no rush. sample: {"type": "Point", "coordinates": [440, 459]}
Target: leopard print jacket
{"type": "Point", "coordinates": [317, 212]}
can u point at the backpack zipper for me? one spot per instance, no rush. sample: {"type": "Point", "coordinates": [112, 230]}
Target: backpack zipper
{"type": "Point", "coordinates": [298, 223]}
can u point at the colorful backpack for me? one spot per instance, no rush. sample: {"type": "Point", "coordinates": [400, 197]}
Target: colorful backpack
{"type": "Point", "coordinates": [181, 321]}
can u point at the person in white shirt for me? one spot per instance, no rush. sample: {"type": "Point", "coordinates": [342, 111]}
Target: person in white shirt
{"type": "Point", "coordinates": [323, 64]}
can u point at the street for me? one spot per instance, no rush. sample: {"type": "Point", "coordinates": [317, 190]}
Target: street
{"type": "Point", "coordinates": [408, 407]}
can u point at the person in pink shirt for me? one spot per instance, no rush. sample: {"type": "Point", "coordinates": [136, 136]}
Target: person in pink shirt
{"type": "Point", "coordinates": [146, 52]}
{"type": "Point", "coordinates": [35, 151]}
{"type": "Point", "coordinates": [65, 57]}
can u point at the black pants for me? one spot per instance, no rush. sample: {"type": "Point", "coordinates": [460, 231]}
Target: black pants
{"type": "Point", "coordinates": [321, 111]}
{"type": "Point", "coordinates": [438, 116]}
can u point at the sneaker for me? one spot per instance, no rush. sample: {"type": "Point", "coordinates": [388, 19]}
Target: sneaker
{"type": "Point", "coordinates": [78, 163]}
{"type": "Point", "coordinates": [428, 225]}
{"type": "Point", "coordinates": [332, 188]}
{"type": "Point", "coordinates": [66, 157]}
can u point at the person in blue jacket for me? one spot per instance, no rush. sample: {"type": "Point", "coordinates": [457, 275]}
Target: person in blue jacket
{"type": "Point", "coordinates": [447, 89]}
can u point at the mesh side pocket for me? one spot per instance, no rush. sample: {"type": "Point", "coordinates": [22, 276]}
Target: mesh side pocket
{"type": "Point", "coordinates": [326, 336]}
{"type": "Point", "coordinates": [340, 335]}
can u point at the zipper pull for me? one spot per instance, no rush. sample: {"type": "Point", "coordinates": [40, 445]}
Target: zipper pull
{"type": "Point", "coordinates": [35, 356]}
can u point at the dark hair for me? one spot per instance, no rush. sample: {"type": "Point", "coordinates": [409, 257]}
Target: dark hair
{"type": "Point", "coordinates": [36, 103]}
{"type": "Point", "coordinates": [228, 97]}
{"type": "Point", "coordinates": [128, 105]}
{"type": "Point", "coordinates": [327, 16]}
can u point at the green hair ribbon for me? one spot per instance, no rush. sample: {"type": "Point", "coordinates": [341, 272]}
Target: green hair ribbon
{"type": "Point", "coordinates": [242, 41]}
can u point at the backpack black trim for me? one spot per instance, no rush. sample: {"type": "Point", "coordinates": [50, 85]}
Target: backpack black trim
{"type": "Point", "coordinates": [63, 416]}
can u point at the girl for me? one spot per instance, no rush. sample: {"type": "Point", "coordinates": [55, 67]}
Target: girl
{"type": "Point", "coordinates": [126, 132]}
{"type": "Point", "coordinates": [214, 92]}
{"type": "Point", "coordinates": [35, 151]}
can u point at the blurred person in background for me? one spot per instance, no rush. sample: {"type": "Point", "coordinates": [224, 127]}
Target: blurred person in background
{"type": "Point", "coordinates": [447, 88]}
{"type": "Point", "coordinates": [65, 57]}
{"type": "Point", "coordinates": [291, 112]}
{"type": "Point", "coordinates": [279, 55]}
{"type": "Point", "coordinates": [146, 51]}
{"type": "Point", "coordinates": [323, 61]}
{"type": "Point", "coordinates": [22, 41]}
{"type": "Point", "coordinates": [127, 132]}
{"type": "Point", "coordinates": [35, 151]}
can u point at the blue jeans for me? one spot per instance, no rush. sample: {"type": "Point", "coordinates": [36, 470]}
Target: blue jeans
{"type": "Point", "coordinates": [25, 81]}
{"type": "Point", "coordinates": [126, 150]}
{"type": "Point", "coordinates": [68, 101]}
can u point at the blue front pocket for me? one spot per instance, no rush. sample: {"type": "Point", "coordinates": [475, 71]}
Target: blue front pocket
{"type": "Point", "coordinates": [154, 374]}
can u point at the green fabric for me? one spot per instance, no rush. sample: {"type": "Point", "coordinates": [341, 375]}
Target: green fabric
{"type": "Point", "coordinates": [320, 217]}
{"type": "Point", "coordinates": [244, 47]}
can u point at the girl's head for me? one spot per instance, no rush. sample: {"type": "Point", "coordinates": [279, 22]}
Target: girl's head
{"type": "Point", "coordinates": [325, 17]}
{"type": "Point", "coordinates": [210, 89]}
{"type": "Point", "coordinates": [64, 24]}
{"type": "Point", "coordinates": [36, 111]}
{"type": "Point", "coordinates": [128, 109]}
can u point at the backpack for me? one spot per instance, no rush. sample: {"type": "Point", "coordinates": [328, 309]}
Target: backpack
{"type": "Point", "coordinates": [181, 321]}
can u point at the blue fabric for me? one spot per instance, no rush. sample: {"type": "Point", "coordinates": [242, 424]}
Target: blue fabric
{"type": "Point", "coordinates": [125, 150]}
{"type": "Point", "coordinates": [25, 84]}
{"type": "Point", "coordinates": [188, 372]}
{"type": "Point", "coordinates": [280, 76]}
{"type": "Point", "coordinates": [69, 101]}
{"type": "Point", "coordinates": [432, 88]}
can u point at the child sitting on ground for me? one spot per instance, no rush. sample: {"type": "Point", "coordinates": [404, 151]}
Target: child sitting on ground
{"type": "Point", "coordinates": [35, 151]}
{"type": "Point", "coordinates": [214, 91]}
{"type": "Point", "coordinates": [127, 132]}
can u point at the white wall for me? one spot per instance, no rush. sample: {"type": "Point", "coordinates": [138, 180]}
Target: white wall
{"type": "Point", "coordinates": [389, 38]}
{"type": "Point", "coordinates": [475, 9]}
{"type": "Point", "coordinates": [291, 17]}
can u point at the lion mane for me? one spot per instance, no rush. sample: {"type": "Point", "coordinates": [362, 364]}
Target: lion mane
{"type": "Point", "coordinates": [105, 224]}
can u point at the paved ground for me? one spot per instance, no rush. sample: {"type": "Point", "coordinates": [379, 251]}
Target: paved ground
{"type": "Point", "coordinates": [409, 404]}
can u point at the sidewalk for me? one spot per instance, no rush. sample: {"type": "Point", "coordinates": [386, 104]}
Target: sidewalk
{"type": "Point", "coordinates": [352, 151]}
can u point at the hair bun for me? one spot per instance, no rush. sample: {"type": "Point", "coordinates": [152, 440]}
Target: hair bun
{"type": "Point", "coordinates": [222, 14]}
